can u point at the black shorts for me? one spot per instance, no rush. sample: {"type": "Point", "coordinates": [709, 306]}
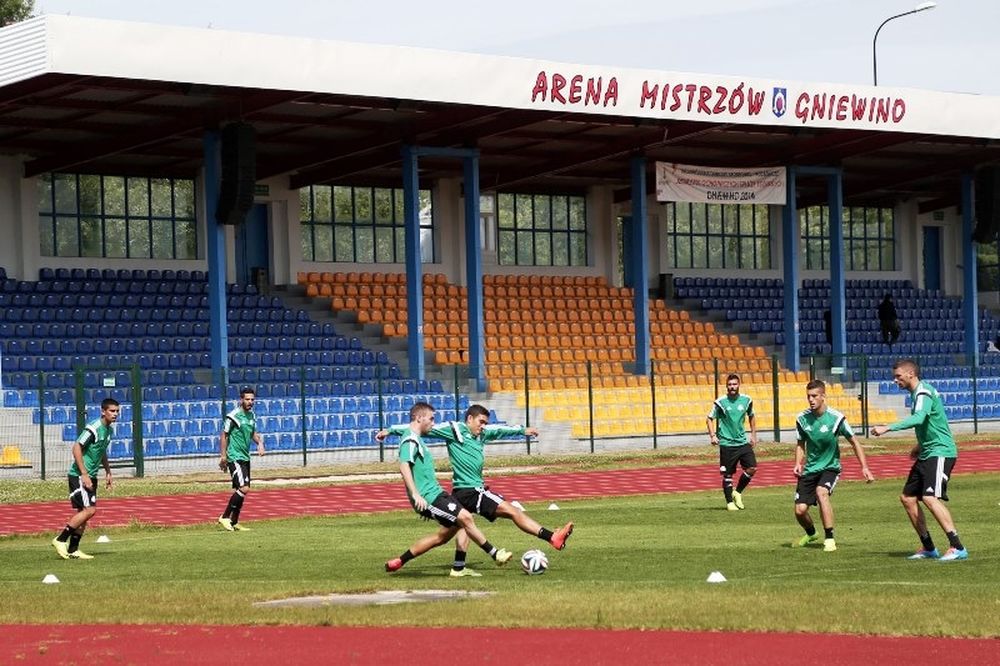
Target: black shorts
{"type": "Point", "coordinates": [730, 455]}
{"type": "Point", "coordinates": [443, 509]}
{"type": "Point", "coordinates": [929, 478]}
{"type": "Point", "coordinates": [481, 501]}
{"type": "Point", "coordinates": [80, 497]}
{"type": "Point", "coordinates": [805, 489]}
{"type": "Point", "coordinates": [240, 471]}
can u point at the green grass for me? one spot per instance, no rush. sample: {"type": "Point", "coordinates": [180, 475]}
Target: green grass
{"type": "Point", "coordinates": [637, 562]}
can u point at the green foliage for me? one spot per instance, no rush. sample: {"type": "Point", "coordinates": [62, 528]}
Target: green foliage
{"type": "Point", "coordinates": [636, 562]}
{"type": "Point", "coordinates": [14, 11]}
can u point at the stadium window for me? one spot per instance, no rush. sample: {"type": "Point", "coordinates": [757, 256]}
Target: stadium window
{"type": "Point", "coordinates": [82, 215]}
{"type": "Point", "coordinates": [718, 236]}
{"type": "Point", "coordinates": [988, 266]}
{"type": "Point", "coordinates": [360, 224]}
{"type": "Point", "coordinates": [869, 238]}
{"type": "Point", "coordinates": [541, 230]}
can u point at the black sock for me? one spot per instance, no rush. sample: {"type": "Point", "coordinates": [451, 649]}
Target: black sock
{"type": "Point", "coordinates": [233, 509]}
{"type": "Point", "coordinates": [459, 560]}
{"type": "Point", "coordinates": [745, 480]}
{"type": "Point", "coordinates": [727, 488]}
{"type": "Point", "coordinates": [811, 530]}
{"type": "Point", "coordinates": [954, 541]}
{"type": "Point", "coordinates": [490, 549]}
{"type": "Point", "coordinates": [64, 535]}
{"type": "Point", "coordinates": [545, 535]}
{"type": "Point", "coordinates": [407, 556]}
{"type": "Point", "coordinates": [74, 541]}
{"type": "Point", "coordinates": [828, 532]}
{"type": "Point", "coordinates": [926, 541]}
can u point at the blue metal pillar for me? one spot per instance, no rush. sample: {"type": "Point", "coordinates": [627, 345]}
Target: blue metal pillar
{"type": "Point", "coordinates": [414, 276]}
{"type": "Point", "coordinates": [216, 256]}
{"type": "Point", "coordinates": [790, 264]}
{"type": "Point", "coordinates": [640, 265]}
{"type": "Point", "coordinates": [970, 288]}
{"type": "Point", "coordinates": [835, 194]}
{"type": "Point", "coordinates": [474, 272]}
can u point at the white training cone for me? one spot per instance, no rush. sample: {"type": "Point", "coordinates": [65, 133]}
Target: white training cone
{"type": "Point", "coordinates": [50, 579]}
{"type": "Point", "coordinates": [103, 539]}
{"type": "Point", "coordinates": [716, 577]}
{"type": "Point", "coordinates": [553, 507]}
{"type": "Point", "coordinates": [517, 505]}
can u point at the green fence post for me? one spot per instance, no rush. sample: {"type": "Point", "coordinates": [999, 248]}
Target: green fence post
{"type": "Point", "coordinates": [812, 367]}
{"type": "Point", "coordinates": [590, 400]}
{"type": "Point", "coordinates": [715, 375]}
{"type": "Point", "coordinates": [302, 413]}
{"type": "Point", "coordinates": [138, 453]}
{"type": "Point", "coordinates": [777, 398]}
{"type": "Point", "coordinates": [41, 418]}
{"type": "Point", "coordinates": [381, 410]}
{"type": "Point", "coordinates": [527, 408]}
{"type": "Point", "coordinates": [81, 405]}
{"type": "Point", "coordinates": [454, 379]}
{"type": "Point", "coordinates": [864, 395]}
{"type": "Point", "coordinates": [652, 390]}
{"type": "Point", "coordinates": [975, 401]}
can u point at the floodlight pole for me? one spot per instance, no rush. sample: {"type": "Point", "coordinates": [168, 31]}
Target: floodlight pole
{"type": "Point", "coordinates": [923, 6]}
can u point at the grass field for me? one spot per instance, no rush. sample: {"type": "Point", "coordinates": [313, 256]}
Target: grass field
{"type": "Point", "coordinates": [639, 562]}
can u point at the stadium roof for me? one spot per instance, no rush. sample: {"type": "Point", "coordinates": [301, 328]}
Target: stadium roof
{"type": "Point", "coordinates": [112, 97]}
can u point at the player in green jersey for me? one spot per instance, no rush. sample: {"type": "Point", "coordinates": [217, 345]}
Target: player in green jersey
{"type": "Point", "coordinates": [416, 466]}
{"type": "Point", "coordinates": [239, 429]}
{"type": "Point", "coordinates": [817, 462]}
{"type": "Point", "coordinates": [726, 430]}
{"type": "Point", "coordinates": [934, 458]}
{"type": "Point", "coordinates": [466, 448]}
{"type": "Point", "coordinates": [90, 451]}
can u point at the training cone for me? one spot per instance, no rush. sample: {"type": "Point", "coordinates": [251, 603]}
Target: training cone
{"type": "Point", "coordinates": [553, 507]}
{"type": "Point", "coordinates": [103, 539]}
{"type": "Point", "coordinates": [50, 579]}
{"type": "Point", "coordinates": [716, 577]}
{"type": "Point", "coordinates": [517, 505]}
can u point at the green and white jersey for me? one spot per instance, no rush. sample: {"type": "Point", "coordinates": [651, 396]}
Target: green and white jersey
{"type": "Point", "coordinates": [412, 450]}
{"type": "Point", "coordinates": [465, 451]}
{"type": "Point", "coordinates": [240, 426]}
{"type": "Point", "coordinates": [93, 440]}
{"type": "Point", "coordinates": [820, 435]}
{"type": "Point", "coordinates": [730, 415]}
{"type": "Point", "coordinates": [929, 422]}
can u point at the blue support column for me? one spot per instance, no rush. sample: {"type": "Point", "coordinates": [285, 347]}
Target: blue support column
{"type": "Point", "coordinates": [970, 288]}
{"type": "Point", "coordinates": [640, 266]}
{"type": "Point", "coordinates": [414, 276]}
{"type": "Point", "coordinates": [790, 263]}
{"type": "Point", "coordinates": [474, 272]}
{"type": "Point", "coordinates": [835, 194]}
{"type": "Point", "coordinates": [216, 256]}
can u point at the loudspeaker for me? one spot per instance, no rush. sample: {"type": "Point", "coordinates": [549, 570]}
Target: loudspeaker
{"type": "Point", "coordinates": [987, 204]}
{"type": "Point", "coordinates": [239, 173]}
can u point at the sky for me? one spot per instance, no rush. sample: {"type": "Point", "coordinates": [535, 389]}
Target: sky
{"type": "Point", "coordinates": [954, 47]}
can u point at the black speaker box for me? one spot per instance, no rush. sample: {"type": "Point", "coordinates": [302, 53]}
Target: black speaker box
{"type": "Point", "coordinates": [239, 173]}
{"type": "Point", "coordinates": [987, 204]}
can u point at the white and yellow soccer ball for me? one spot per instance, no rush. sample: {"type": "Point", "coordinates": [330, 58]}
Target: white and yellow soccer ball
{"type": "Point", "coordinates": [534, 562]}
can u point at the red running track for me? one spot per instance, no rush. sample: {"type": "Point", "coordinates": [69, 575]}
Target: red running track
{"type": "Point", "coordinates": [419, 646]}
{"type": "Point", "coordinates": [375, 497]}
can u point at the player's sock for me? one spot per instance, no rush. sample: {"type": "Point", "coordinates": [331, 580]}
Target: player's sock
{"type": "Point", "coordinates": [74, 541]}
{"type": "Point", "coordinates": [459, 563]}
{"type": "Point", "coordinates": [954, 541]}
{"type": "Point", "coordinates": [544, 534]}
{"type": "Point", "coordinates": [407, 556]}
{"type": "Point", "coordinates": [235, 504]}
{"type": "Point", "coordinates": [926, 541]}
{"type": "Point", "coordinates": [810, 531]}
{"type": "Point", "coordinates": [745, 480]}
{"type": "Point", "coordinates": [727, 488]}
{"type": "Point", "coordinates": [489, 548]}
{"type": "Point", "coordinates": [65, 534]}
{"type": "Point", "coordinates": [827, 532]}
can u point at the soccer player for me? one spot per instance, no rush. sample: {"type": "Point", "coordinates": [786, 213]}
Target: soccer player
{"type": "Point", "coordinates": [466, 446]}
{"type": "Point", "coordinates": [238, 429]}
{"type": "Point", "coordinates": [428, 498]}
{"type": "Point", "coordinates": [934, 458]}
{"type": "Point", "coordinates": [90, 450]}
{"type": "Point", "coordinates": [817, 462]}
{"type": "Point", "coordinates": [726, 430]}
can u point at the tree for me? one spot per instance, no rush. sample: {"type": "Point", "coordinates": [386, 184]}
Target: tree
{"type": "Point", "coordinates": [15, 11]}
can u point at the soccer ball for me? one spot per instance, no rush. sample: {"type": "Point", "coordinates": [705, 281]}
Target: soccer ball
{"type": "Point", "coordinates": [534, 562]}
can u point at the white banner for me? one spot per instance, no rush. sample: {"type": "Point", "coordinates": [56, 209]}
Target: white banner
{"type": "Point", "coordinates": [684, 182]}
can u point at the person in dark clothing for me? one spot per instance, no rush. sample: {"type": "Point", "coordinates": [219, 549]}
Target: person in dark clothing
{"type": "Point", "coordinates": [889, 321]}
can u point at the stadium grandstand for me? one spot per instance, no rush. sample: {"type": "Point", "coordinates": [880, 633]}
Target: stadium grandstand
{"type": "Point", "coordinates": [567, 246]}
